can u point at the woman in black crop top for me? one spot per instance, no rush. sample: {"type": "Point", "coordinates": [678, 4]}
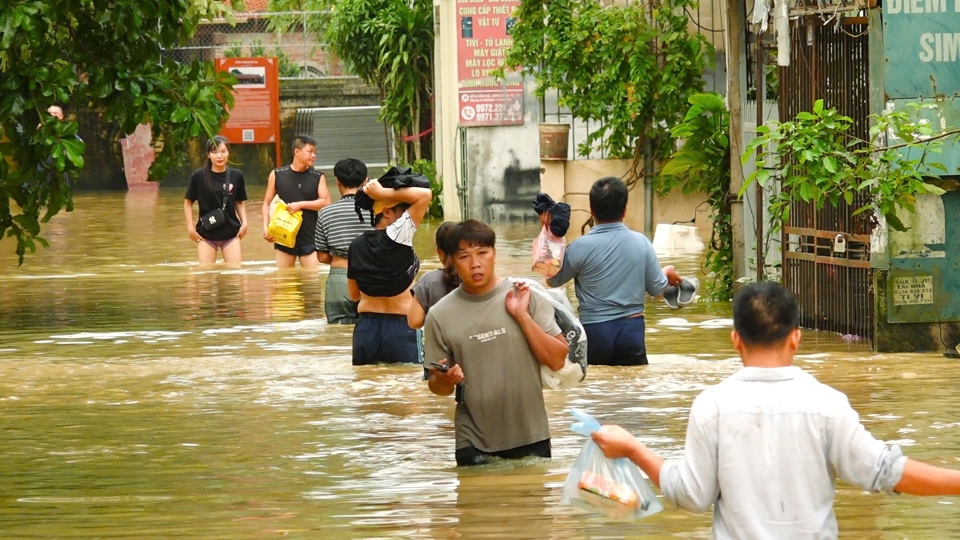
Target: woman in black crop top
{"type": "Point", "coordinates": [221, 194]}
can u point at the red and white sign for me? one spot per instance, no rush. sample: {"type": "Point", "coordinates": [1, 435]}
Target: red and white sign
{"type": "Point", "coordinates": [255, 116]}
{"type": "Point", "coordinates": [482, 46]}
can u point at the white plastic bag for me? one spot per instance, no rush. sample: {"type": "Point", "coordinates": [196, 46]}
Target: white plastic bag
{"type": "Point", "coordinates": [574, 369]}
{"type": "Point", "coordinates": [548, 253]}
{"type": "Point", "coordinates": [613, 487]}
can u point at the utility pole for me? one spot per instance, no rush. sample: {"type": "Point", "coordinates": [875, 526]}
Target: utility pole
{"type": "Point", "coordinates": [761, 85]}
{"type": "Point", "coordinates": [736, 84]}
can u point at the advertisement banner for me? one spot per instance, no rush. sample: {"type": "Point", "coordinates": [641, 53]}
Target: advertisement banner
{"type": "Point", "coordinates": [482, 44]}
{"type": "Point", "coordinates": [255, 116]}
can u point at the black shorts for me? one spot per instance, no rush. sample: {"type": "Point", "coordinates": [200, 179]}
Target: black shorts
{"type": "Point", "coordinates": [470, 456]}
{"type": "Point", "coordinates": [296, 251]}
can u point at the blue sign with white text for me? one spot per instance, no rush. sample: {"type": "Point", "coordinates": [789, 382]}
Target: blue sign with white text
{"type": "Point", "coordinates": [922, 48]}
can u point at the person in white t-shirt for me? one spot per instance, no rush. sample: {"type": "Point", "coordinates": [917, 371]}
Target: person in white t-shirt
{"type": "Point", "coordinates": [765, 446]}
{"type": "Point", "coordinates": [381, 267]}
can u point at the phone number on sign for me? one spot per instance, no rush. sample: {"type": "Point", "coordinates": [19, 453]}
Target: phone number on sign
{"type": "Point", "coordinates": [489, 108]}
{"type": "Point", "coordinates": [489, 117]}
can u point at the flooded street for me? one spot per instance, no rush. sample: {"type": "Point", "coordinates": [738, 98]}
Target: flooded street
{"type": "Point", "coordinates": [144, 397]}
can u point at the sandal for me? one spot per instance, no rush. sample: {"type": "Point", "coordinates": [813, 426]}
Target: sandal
{"type": "Point", "coordinates": [688, 291]}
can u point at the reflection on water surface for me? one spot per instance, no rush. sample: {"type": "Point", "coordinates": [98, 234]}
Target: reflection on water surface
{"type": "Point", "coordinates": [144, 396]}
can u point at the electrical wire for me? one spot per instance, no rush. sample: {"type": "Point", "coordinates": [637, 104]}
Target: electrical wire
{"type": "Point", "coordinates": [700, 26]}
{"type": "Point", "coordinates": [861, 34]}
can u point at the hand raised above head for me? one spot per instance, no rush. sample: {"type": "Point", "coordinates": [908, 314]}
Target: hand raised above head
{"type": "Point", "coordinates": [375, 190]}
{"type": "Point", "coordinates": [545, 218]}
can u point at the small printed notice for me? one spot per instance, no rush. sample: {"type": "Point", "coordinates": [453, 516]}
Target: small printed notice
{"type": "Point", "coordinates": [255, 115]}
{"type": "Point", "coordinates": [914, 290]}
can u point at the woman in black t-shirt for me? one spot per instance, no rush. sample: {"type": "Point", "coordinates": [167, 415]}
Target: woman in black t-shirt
{"type": "Point", "coordinates": [220, 192]}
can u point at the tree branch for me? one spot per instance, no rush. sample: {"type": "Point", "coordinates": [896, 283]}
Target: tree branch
{"type": "Point", "coordinates": [942, 135]}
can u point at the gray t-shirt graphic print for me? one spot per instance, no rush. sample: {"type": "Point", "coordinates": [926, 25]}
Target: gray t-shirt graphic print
{"type": "Point", "coordinates": [503, 397]}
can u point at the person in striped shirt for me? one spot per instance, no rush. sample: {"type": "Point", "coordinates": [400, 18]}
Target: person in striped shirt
{"type": "Point", "coordinates": [337, 226]}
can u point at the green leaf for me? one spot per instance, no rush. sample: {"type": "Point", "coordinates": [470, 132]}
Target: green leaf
{"type": "Point", "coordinates": [74, 150]}
{"type": "Point", "coordinates": [818, 106]}
{"type": "Point", "coordinates": [763, 176]}
{"type": "Point", "coordinates": [180, 115]}
{"type": "Point", "coordinates": [894, 222]}
{"type": "Point", "coordinates": [830, 164]}
{"type": "Point", "coordinates": [848, 196]}
{"type": "Point", "coordinates": [708, 102]}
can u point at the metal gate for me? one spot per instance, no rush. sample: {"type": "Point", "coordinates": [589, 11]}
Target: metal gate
{"type": "Point", "coordinates": [834, 287]}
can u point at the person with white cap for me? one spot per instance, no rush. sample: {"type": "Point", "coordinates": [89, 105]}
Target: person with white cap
{"type": "Point", "coordinates": [381, 267]}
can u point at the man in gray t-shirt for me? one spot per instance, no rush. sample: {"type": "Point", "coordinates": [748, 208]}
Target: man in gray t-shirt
{"type": "Point", "coordinates": [494, 334]}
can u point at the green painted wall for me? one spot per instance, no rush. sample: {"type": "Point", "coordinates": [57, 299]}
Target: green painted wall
{"type": "Point", "coordinates": [922, 48]}
{"type": "Point", "coordinates": [917, 272]}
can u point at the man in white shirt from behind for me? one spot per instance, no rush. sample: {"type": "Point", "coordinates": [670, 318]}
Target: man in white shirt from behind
{"type": "Point", "coordinates": [766, 445]}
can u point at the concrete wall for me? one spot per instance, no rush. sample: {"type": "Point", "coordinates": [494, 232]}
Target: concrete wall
{"type": "Point", "coordinates": [570, 181]}
{"type": "Point", "coordinates": [503, 168]}
{"type": "Point", "coordinates": [104, 162]}
{"type": "Point", "coordinates": [917, 278]}
{"type": "Point", "coordinates": [891, 337]}
{"type": "Point", "coordinates": [496, 169]}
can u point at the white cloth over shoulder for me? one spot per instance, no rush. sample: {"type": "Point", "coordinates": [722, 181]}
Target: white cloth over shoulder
{"type": "Point", "coordinates": [574, 368]}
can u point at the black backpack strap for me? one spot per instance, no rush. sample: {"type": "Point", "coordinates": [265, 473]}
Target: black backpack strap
{"type": "Point", "coordinates": [226, 190]}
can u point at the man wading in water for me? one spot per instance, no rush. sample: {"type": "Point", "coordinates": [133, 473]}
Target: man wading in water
{"type": "Point", "coordinates": [381, 267]}
{"type": "Point", "coordinates": [304, 189]}
{"type": "Point", "coordinates": [337, 226]}
{"type": "Point", "coordinates": [765, 446]}
{"type": "Point", "coordinates": [495, 334]}
{"type": "Point", "coordinates": [613, 268]}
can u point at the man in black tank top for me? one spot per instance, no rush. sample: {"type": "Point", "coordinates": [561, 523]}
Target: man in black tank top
{"type": "Point", "coordinates": [304, 189]}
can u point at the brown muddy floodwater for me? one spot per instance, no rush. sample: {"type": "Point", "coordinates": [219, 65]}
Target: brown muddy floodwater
{"type": "Point", "coordinates": [144, 397]}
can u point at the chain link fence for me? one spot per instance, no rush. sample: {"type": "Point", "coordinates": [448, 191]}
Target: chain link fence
{"type": "Point", "coordinates": [290, 36]}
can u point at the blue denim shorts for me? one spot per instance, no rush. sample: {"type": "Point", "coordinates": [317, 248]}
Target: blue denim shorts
{"type": "Point", "coordinates": [380, 338]}
{"type": "Point", "coordinates": [617, 343]}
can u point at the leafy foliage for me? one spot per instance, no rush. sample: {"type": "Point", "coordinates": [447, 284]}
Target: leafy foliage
{"type": "Point", "coordinates": [702, 165]}
{"type": "Point", "coordinates": [316, 23]}
{"type": "Point", "coordinates": [389, 44]}
{"type": "Point", "coordinates": [286, 67]}
{"type": "Point", "coordinates": [818, 160]}
{"type": "Point", "coordinates": [631, 67]}
{"type": "Point", "coordinates": [108, 55]}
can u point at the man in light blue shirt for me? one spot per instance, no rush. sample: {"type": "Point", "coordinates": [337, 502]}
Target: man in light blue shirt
{"type": "Point", "coordinates": [613, 269]}
{"type": "Point", "coordinates": [765, 446]}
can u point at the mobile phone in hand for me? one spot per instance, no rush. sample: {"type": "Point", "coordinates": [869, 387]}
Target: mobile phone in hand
{"type": "Point", "coordinates": [439, 367]}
